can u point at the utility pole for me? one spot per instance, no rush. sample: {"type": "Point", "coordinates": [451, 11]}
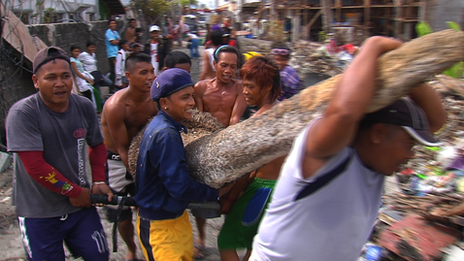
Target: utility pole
{"type": "Point", "coordinates": [326, 16]}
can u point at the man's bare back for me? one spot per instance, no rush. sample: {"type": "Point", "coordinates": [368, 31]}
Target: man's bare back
{"type": "Point", "coordinates": [123, 118]}
{"type": "Point", "coordinates": [224, 101]}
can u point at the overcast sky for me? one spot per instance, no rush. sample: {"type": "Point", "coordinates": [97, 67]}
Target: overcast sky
{"type": "Point", "coordinates": [209, 3]}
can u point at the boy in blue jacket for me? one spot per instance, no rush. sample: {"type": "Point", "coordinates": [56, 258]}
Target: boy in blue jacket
{"type": "Point", "coordinates": [164, 184]}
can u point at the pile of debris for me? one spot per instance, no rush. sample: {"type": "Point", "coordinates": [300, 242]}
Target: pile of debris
{"type": "Point", "coordinates": [307, 57]}
{"type": "Point", "coordinates": [313, 57]}
{"type": "Point", "coordinates": [407, 228]}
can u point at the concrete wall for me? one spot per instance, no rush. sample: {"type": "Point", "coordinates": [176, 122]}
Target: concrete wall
{"type": "Point", "coordinates": [65, 35]}
{"type": "Point", "coordinates": [15, 82]}
{"type": "Point", "coordinates": [447, 10]}
{"type": "Point", "coordinates": [15, 75]}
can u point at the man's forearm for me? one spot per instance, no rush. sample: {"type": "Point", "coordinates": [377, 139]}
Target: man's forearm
{"type": "Point", "coordinates": [47, 176]}
{"type": "Point", "coordinates": [426, 97]}
{"type": "Point", "coordinates": [97, 158]}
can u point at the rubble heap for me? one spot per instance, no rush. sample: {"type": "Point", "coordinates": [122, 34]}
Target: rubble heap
{"type": "Point", "coordinates": [452, 91]}
{"type": "Point", "coordinates": [406, 228]}
{"type": "Point", "coordinates": [311, 57]}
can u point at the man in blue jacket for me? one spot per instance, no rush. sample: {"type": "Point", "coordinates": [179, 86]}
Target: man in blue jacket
{"type": "Point", "coordinates": [164, 184]}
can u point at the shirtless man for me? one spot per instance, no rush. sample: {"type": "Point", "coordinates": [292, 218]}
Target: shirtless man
{"type": "Point", "coordinates": [124, 115]}
{"type": "Point", "coordinates": [223, 97]}
{"type": "Point", "coordinates": [130, 31]}
{"type": "Point", "coordinates": [261, 87]}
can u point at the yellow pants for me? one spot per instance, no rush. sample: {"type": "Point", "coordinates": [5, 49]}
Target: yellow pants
{"type": "Point", "coordinates": [166, 240]}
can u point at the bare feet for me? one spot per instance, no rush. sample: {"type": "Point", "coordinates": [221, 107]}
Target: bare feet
{"type": "Point", "coordinates": [198, 252]}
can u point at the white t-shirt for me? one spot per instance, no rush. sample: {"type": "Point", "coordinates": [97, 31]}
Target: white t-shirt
{"type": "Point", "coordinates": [331, 224]}
{"type": "Point", "coordinates": [192, 36]}
{"type": "Point", "coordinates": [154, 57]}
{"type": "Point", "coordinates": [120, 66]}
{"type": "Point", "coordinates": [89, 61]}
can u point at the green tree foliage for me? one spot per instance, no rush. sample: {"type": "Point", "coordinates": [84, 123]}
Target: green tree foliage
{"type": "Point", "coordinates": [423, 28]}
{"type": "Point", "coordinates": [153, 9]}
{"type": "Point", "coordinates": [185, 3]}
{"type": "Point", "coordinates": [48, 15]}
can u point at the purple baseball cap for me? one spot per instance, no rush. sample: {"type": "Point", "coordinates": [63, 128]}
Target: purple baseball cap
{"type": "Point", "coordinates": [169, 82]}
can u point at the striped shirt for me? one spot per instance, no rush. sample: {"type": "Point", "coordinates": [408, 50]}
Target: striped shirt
{"type": "Point", "coordinates": [290, 82]}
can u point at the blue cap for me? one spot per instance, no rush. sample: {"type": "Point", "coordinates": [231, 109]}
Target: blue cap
{"type": "Point", "coordinates": [169, 82]}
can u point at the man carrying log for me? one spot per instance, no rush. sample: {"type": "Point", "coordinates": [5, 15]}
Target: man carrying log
{"type": "Point", "coordinates": [250, 196]}
{"type": "Point", "coordinates": [326, 201]}
{"type": "Point", "coordinates": [124, 115]}
{"type": "Point", "coordinates": [164, 184]}
{"type": "Point", "coordinates": [222, 97]}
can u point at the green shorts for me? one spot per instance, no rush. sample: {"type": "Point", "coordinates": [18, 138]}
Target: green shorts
{"type": "Point", "coordinates": [235, 233]}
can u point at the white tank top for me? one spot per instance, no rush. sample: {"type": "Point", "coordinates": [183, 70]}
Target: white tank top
{"type": "Point", "coordinates": [331, 224]}
{"type": "Point", "coordinates": [210, 52]}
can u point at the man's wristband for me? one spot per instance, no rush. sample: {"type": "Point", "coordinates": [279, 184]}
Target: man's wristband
{"type": "Point", "coordinates": [99, 183]}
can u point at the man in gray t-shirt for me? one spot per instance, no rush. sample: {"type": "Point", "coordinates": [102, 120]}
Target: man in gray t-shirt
{"type": "Point", "coordinates": [47, 132]}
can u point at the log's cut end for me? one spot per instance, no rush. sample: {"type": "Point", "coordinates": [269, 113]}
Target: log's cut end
{"type": "Point", "coordinates": [201, 124]}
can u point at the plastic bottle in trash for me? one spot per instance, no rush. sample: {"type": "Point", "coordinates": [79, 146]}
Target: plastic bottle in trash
{"type": "Point", "coordinates": [414, 184]}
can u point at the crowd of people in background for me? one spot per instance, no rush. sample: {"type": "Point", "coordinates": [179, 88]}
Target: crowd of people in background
{"type": "Point", "coordinates": [161, 41]}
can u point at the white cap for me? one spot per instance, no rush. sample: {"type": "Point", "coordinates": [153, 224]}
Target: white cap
{"type": "Point", "coordinates": [154, 28]}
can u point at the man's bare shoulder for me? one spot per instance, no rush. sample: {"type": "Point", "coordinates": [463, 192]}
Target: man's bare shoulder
{"type": "Point", "coordinates": [235, 85]}
{"type": "Point", "coordinates": [203, 84]}
{"type": "Point", "coordinates": [116, 103]}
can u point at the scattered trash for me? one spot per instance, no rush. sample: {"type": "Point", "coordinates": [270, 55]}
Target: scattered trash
{"type": "Point", "coordinates": [431, 183]}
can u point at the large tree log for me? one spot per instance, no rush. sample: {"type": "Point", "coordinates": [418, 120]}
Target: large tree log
{"type": "Point", "coordinates": [228, 154]}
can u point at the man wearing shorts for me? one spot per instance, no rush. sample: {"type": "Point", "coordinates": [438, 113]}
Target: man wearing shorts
{"type": "Point", "coordinates": [249, 197]}
{"type": "Point", "coordinates": [124, 115]}
{"type": "Point", "coordinates": [164, 184]}
{"type": "Point", "coordinates": [222, 96]}
{"type": "Point", "coordinates": [48, 132]}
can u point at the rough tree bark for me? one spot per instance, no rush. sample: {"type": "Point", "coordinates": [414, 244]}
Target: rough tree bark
{"type": "Point", "coordinates": [230, 153]}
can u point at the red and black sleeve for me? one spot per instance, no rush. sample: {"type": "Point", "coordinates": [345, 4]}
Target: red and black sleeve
{"type": "Point", "coordinates": [47, 176]}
